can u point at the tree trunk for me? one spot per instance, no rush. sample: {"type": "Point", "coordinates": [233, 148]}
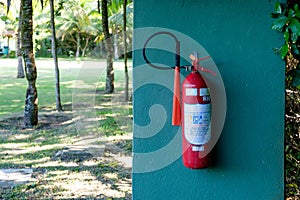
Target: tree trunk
{"type": "Point", "coordinates": [8, 38]}
{"type": "Point", "coordinates": [116, 48]}
{"type": "Point", "coordinates": [54, 54]}
{"type": "Point", "coordinates": [85, 47]}
{"type": "Point", "coordinates": [109, 86]}
{"type": "Point", "coordinates": [125, 51]}
{"type": "Point", "coordinates": [31, 102]}
{"type": "Point", "coordinates": [19, 50]}
{"type": "Point", "coordinates": [98, 6]}
{"type": "Point", "coordinates": [78, 46]}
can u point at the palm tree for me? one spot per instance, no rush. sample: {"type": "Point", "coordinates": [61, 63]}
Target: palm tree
{"type": "Point", "coordinates": [114, 7]}
{"type": "Point", "coordinates": [119, 19]}
{"type": "Point", "coordinates": [125, 50]}
{"type": "Point", "coordinates": [54, 54]}
{"type": "Point", "coordinates": [116, 18]}
{"type": "Point", "coordinates": [109, 86]}
{"type": "Point", "coordinates": [75, 20]}
{"type": "Point", "coordinates": [31, 103]}
{"type": "Point", "coordinates": [19, 50]}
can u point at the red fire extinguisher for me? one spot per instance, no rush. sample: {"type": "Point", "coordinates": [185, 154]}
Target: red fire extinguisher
{"type": "Point", "coordinates": [193, 111]}
{"type": "Point", "coordinates": [196, 118]}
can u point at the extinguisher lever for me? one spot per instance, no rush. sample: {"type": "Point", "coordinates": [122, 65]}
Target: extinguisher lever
{"type": "Point", "coordinates": [197, 66]}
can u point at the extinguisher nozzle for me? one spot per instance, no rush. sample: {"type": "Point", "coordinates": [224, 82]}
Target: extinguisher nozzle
{"type": "Point", "coordinates": [176, 114]}
{"type": "Point", "coordinates": [176, 117]}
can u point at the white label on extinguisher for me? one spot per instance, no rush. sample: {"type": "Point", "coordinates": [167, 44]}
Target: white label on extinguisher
{"type": "Point", "coordinates": [197, 123]}
{"type": "Point", "coordinates": [204, 92]}
{"type": "Point", "coordinates": [191, 91]}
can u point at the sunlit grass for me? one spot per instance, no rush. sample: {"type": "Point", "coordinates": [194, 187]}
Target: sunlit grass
{"type": "Point", "coordinates": [13, 90]}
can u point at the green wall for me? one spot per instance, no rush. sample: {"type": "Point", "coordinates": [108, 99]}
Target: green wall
{"type": "Point", "coordinates": [249, 156]}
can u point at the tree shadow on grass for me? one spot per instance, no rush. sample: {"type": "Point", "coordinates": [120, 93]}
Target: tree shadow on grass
{"type": "Point", "coordinates": [96, 178]}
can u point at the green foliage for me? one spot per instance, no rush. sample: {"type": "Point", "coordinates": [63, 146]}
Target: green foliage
{"type": "Point", "coordinates": [4, 18]}
{"type": "Point", "coordinates": [12, 54]}
{"type": "Point", "coordinates": [287, 22]}
{"type": "Point", "coordinates": [117, 17]}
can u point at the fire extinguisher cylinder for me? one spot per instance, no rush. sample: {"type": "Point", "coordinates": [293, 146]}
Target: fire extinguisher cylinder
{"type": "Point", "coordinates": [196, 116]}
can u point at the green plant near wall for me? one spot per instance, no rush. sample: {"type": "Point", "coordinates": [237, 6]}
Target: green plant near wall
{"type": "Point", "coordinates": [287, 21]}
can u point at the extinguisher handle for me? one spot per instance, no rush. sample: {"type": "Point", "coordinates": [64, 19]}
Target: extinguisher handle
{"type": "Point", "coordinates": [177, 56]}
{"type": "Point", "coordinates": [176, 114]}
{"type": "Point", "coordinates": [197, 66]}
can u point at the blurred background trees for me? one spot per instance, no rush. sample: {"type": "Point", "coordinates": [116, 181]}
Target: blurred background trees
{"type": "Point", "coordinates": [78, 24]}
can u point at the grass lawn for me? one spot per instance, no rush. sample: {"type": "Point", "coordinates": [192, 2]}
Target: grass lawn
{"type": "Point", "coordinates": [73, 154]}
{"type": "Point", "coordinates": [13, 90]}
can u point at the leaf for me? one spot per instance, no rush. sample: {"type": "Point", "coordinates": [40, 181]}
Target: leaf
{"type": "Point", "coordinates": [296, 7]}
{"type": "Point", "coordinates": [294, 37]}
{"type": "Point", "coordinates": [279, 23]}
{"type": "Point", "coordinates": [296, 78]}
{"type": "Point", "coordinates": [291, 13]}
{"type": "Point", "coordinates": [95, 14]}
{"type": "Point", "coordinates": [284, 50]}
{"type": "Point", "coordinates": [286, 35]}
{"type": "Point", "coordinates": [297, 13]}
{"type": "Point", "coordinates": [295, 26]}
{"type": "Point", "coordinates": [4, 18]}
{"type": "Point", "coordinates": [277, 8]}
{"type": "Point", "coordinates": [295, 49]}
